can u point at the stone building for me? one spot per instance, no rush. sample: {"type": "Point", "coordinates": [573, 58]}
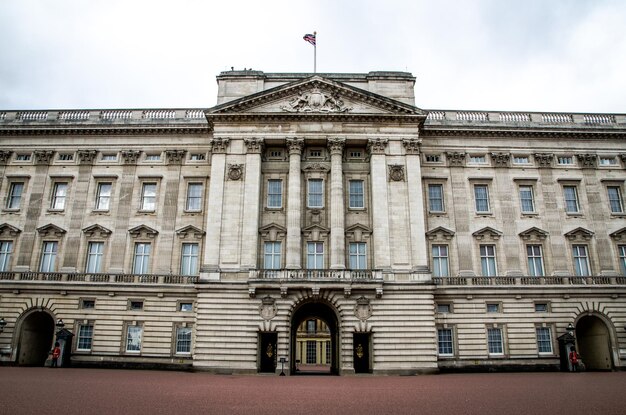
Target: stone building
{"type": "Point", "coordinates": [423, 240]}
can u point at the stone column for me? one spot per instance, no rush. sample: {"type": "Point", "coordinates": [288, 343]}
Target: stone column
{"type": "Point", "coordinates": [294, 205]}
{"type": "Point", "coordinates": [337, 218]}
{"type": "Point", "coordinates": [380, 205]}
{"type": "Point", "coordinates": [419, 251]}
{"type": "Point", "coordinates": [252, 195]}
{"type": "Point", "coordinates": [211, 257]}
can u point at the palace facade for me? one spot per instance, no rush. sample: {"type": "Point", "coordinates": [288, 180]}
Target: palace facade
{"type": "Point", "coordinates": [313, 219]}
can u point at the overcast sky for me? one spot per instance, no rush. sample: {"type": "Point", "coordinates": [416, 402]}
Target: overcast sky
{"type": "Point", "coordinates": [532, 55]}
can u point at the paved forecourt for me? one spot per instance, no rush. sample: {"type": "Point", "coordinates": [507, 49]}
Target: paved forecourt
{"type": "Point", "coordinates": [77, 391]}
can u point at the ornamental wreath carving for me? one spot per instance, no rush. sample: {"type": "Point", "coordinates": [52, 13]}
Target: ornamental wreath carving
{"type": "Point", "coordinates": [396, 172]}
{"type": "Point", "coordinates": [235, 171]}
{"type": "Point", "coordinates": [316, 101]}
{"type": "Point", "coordinates": [268, 308]}
{"type": "Point", "coordinates": [363, 308]}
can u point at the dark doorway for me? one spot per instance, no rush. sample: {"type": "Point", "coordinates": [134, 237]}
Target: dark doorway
{"type": "Point", "coordinates": [267, 352]}
{"type": "Point", "coordinates": [594, 343]}
{"type": "Point", "coordinates": [36, 335]}
{"type": "Point", "coordinates": [362, 353]}
{"type": "Point", "coordinates": [319, 316]}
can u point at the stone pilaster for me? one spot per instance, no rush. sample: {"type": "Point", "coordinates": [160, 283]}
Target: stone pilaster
{"type": "Point", "coordinates": [294, 205]}
{"type": "Point", "coordinates": [380, 205]}
{"type": "Point", "coordinates": [337, 218]}
{"type": "Point", "coordinates": [252, 200]}
{"type": "Point", "coordinates": [210, 266]}
{"type": "Point", "coordinates": [419, 251]}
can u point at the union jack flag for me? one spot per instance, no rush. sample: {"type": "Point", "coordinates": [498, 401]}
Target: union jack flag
{"type": "Point", "coordinates": [310, 38]}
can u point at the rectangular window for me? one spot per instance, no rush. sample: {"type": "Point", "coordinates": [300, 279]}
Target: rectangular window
{"type": "Point", "coordinates": [565, 160]}
{"type": "Point", "coordinates": [14, 200]}
{"type": "Point", "coordinates": [85, 337]}
{"type": "Point", "coordinates": [153, 157]}
{"type": "Point", "coordinates": [535, 260]}
{"type": "Point", "coordinates": [615, 199]}
{"type": "Point", "coordinates": [493, 307]}
{"type": "Point", "coordinates": [185, 307]}
{"type": "Point", "coordinates": [48, 257]}
{"type": "Point", "coordinates": [581, 260]}
{"type": "Point", "coordinates": [94, 257]}
{"type": "Point", "coordinates": [189, 261]}
{"type": "Point", "coordinates": [66, 157]}
{"type": "Point", "coordinates": [135, 305]}
{"type": "Point", "coordinates": [315, 153]}
{"type": "Point", "coordinates": [433, 158]}
{"type": "Point", "coordinates": [183, 340]}
{"type": "Point", "coordinates": [59, 194]}
{"type": "Point", "coordinates": [444, 308]}
{"type": "Point", "coordinates": [103, 196]}
{"type": "Point", "coordinates": [197, 156]}
{"type": "Point", "coordinates": [478, 159]}
{"type": "Point", "coordinates": [440, 261]}
{"type": "Point", "coordinates": [87, 304]}
{"type": "Point", "coordinates": [275, 193]}
{"type": "Point", "coordinates": [6, 249]}
{"type": "Point", "coordinates": [357, 200]}
{"type": "Point", "coordinates": [435, 198]}
{"type": "Point", "coordinates": [494, 341]}
{"type": "Point", "coordinates": [445, 345]}
{"type": "Point", "coordinates": [194, 197]}
{"type": "Point", "coordinates": [622, 258]}
{"type": "Point", "coordinates": [133, 338]}
{"type": "Point", "coordinates": [310, 326]}
{"type": "Point", "coordinates": [521, 160]}
{"type": "Point", "coordinates": [141, 261]}
{"type": "Point", "coordinates": [481, 196]}
{"type": "Point", "coordinates": [488, 260]}
{"type": "Point", "coordinates": [315, 255]}
{"type": "Point", "coordinates": [311, 352]}
{"type": "Point", "coordinates": [271, 256]}
{"type": "Point", "coordinates": [526, 198]}
{"type": "Point", "coordinates": [358, 256]}
{"type": "Point", "coordinates": [315, 193]}
{"type": "Point", "coordinates": [148, 196]}
{"type": "Point", "coordinates": [570, 194]}
{"type": "Point", "coordinates": [328, 354]}
{"type": "Point", "coordinates": [355, 154]}
{"type": "Point", "coordinates": [608, 161]}
{"type": "Point", "coordinates": [276, 154]}
{"type": "Point", "coordinates": [109, 157]}
{"type": "Point", "coordinates": [22, 157]}
{"type": "Point", "coordinates": [541, 307]}
{"type": "Point", "coordinates": [544, 340]}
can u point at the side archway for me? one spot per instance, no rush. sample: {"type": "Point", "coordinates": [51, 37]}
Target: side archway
{"type": "Point", "coordinates": [594, 343]}
{"type": "Point", "coordinates": [35, 337]}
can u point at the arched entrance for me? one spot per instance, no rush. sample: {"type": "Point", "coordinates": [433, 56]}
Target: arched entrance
{"type": "Point", "coordinates": [316, 311]}
{"type": "Point", "coordinates": [594, 343]}
{"type": "Point", "coordinates": [35, 341]}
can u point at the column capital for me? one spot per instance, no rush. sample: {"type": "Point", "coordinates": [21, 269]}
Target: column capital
{"type": "Point", "coordinates": [254, 145]}
{"type": "Point", "coordinates": [175, 156]}
{"type": "Point", "coordinates": [455, 158]}
{"type": "Point", "coordinates": [377, 145]}
{"type": "Point", "coordinates": [4, 156]}
{"type": "Point", "coordinates": [544, 159]}
{"type": "Point", "coordinates": [86, 156]}
{"type": "Point", "coordinates": [295, 145]}
{"type": "Point", "coordinates": [43, 157]}
{"type": "Point", "coordinates": [412, 145]}
{"type": "Point", "coordinates": [219, 145]}
{"type": "Point", "coordinates": [336, 145]}
{"type": "Point", "coordinates": [130, 156]}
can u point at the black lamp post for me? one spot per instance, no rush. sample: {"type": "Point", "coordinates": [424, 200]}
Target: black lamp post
{"type": "Point", "coordinates": [3, 323]}
{"type": "Point", "coordinates": [60, 324]}
{"type": "Point", "coordinates": [571, 329]}
{"type": "Point", "coordinates": [282, 366]}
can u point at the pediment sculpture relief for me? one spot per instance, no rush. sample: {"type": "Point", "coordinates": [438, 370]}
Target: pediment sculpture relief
{"type": "Point", "coordinates": [316, 101]}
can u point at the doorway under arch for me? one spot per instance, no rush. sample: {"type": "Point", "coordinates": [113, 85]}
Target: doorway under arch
{"type": "Point", "coordinates": [35, 341]}
{"type": "Point", "coordinates": [594, 343]}
{"type": "Point", "coordinates": [317, 311]}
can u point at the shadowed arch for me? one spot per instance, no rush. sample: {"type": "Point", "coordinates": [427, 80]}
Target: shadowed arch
{"type": "Point", "coordinates": [35, 337]}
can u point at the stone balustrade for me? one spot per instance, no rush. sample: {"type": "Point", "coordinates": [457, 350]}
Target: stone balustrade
{"type": "Point", "coordinates": [74, 277]}
{"type": "Point", "coordinates": [105, 116]}
{"type": "Point", "coordinates": [316, 274]}
{"type": "Point", "coordinates": [526, 281]}
{"type": "Point", "coordinates": [578, 120]}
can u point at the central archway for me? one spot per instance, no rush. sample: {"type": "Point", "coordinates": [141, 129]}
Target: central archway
{"type": "Point", "coordinates": [36, 335]}
{"type": "Point", "coordinates": [594, 343]}
{"type": "Point", "coordinates": [315, 310]}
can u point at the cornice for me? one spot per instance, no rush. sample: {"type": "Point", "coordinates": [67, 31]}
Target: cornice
{"type": "Point", "coordinates": [104, 130]}
{"type": "Point", "coordinates": [430, 131]}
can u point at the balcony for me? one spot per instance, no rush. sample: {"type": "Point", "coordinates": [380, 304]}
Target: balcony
{"type": "Point", "coordinates": [76, 277]}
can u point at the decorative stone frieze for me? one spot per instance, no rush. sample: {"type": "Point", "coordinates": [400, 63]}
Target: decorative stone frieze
{"type": "Point", "coordinates": [412, 145]}
{"type": "Point", "coordinates": [396, 172]}
{"type": "Point", "coordinates": [5, 156]}
{"type": "Point", "coordinates": [534, 234]}
{"type": "Point", "coordinates": [587, 161]}
{"type": "Point", "coordinates": [316, 100]}
{"type": "Point", "coordinates": [268, 308]}
{"type": "Point", "coordinates": [143, 231]}
{"type": "Point", "coordinates": [130, 156]}
{"type": "Point", "coordinates": [43, 157]}
{"type": "Point", "coordinates": [377, 145]}
{"type": "Point", "coordinates": [175, 156]}
{"type": "Point", "coordinates": [501, 159]}
{"type": "Point", "coordinates": [190, 230]}
{"type": "Point", "coordinates": [254, 145]}
{"type": "Point", "coordinates": [579, 234]}
{"type": "Point", "coordinates": [363, 308]}
{"type": "Point", "coordinates": [86, 156]}
{"type": "Point", "coordinates": [97, 230]}
{"type": "Point", "coordinates": [336, 145]}
{"type": "Point", "coordinates": [295, 145]}
{"type": "Point", "coordinates": [51, 230]}
{"type": "Point", "coordinates": [219, 145]}
{"type": "Point", "coordinates": [544, 159]}
{"type": "Point", "coordinates": [316, 167]}
{"type": "Point", "coordinates": [235, 171]}
{"type": "Point", "coordinates": [455, 158]}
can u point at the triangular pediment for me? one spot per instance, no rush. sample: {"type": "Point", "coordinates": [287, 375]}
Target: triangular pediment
{"type": "Point", "coordinates": [273, 232]}
{"type": "Point", "coordinates": [487, 233]}
{"type": "Point", "coordinates": [9, 230]}
{"type": "Point", "coordinates": [358, 232]}
{"type": "Point", "coordinates": [315, 232]}
{"type": "Point", "coordinates": [315, 95]}
{"type": "Point", "coordinates": [533, 234]}
{"type": "Point", "coordinates": [580, 234]}
{"type": "Point", "coordinates": [51, 230]}
{"type": "Point", "coordinates": [619, 235]}
{"type": "Point", "coordinates": [97, 230]}
{"type": "Point", "coordinates": [440, 233]}
{"type": "Point", "coordinates": [143, 231]}
{"type": "Point", "coordinates": [190, 230]}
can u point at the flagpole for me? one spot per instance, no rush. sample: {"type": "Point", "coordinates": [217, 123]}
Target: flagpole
{"type": "Point", "coordinates": [315, 53]}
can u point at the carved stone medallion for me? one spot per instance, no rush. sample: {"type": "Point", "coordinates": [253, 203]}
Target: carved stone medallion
{"type": "Point", "coordinates": [363, 308]}
{"type": "Point", "coordinates": [316, 101]}
{"type": "Point", "coordinates": [235, 171]}
{"type": "Point", "coordinates": [396, 172]}
{"type": "Point", "coordinates": [268, 308]}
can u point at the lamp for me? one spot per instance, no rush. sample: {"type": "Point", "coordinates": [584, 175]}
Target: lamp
{"type": "Point", "coordinates": [60, 324]}
{"type": "Point", "coordinates": [571, 329]}
{"type": "Point", "coordinates": [3, 323]}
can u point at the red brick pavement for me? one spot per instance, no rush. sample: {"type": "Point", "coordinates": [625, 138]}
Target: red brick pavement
{"type": "Point", "coordinates": [44, 391]}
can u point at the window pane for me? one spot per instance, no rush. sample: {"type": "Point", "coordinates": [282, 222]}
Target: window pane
{"type": "Point", "coordinates": [571, 199]}
{"type": "Point", "coordinates": [581, 260]}
{"type": "Point", "coordinates": [315, 255]}
{"type": "Point", "coordinates": [85, 336]}
{"type": "Point", "coordinates": [133, 340]}
{"type": "Point", "coordinates": [494, 340]}
{"type": "Point", "coordinates": [435, 197]}
{"type": "Point", "coordinates": [358, 259]}
{"type": "Point", "coordinates": [535, 260]}
{"type": "Point", "coordinates": [15, 195]}
{"type": "Point", "coordinates": [59, 194]}
{"type": "Point", "coordinates": [141, 263]}
{"type": "Point", "coordinates": [311, 352]}
{"type": "Point", "coordinates": [272, 255]}
{"type": "Point", "coordinates": [183, 340]}
{"type": "Point", "coordinates": [488, 260]}
{"type": "Point", "coordinates": [526, 199]}
{"type": "Point", "coordinates": [48, 256]}
{"type": "Point", "coordinates": [6, 248]}
{"type": "Point", "coordinates": [481, 196]}
{"type": "Point", "coordinates": [544, 340]}
{"type": "Point", "coordinates": [615, 199]}
{"type": "Point", "coordinates": [189, 260]}
{"type": "Point", "coordinates": [194, 196]}
{"type": "Point", "coordinates": [315, 193]}
{"type": "Point", "coordinates": [274, 193]}
{"type": "Point", "coordinates": [94, 257]}
{"type": "Point", "coordinates": [356, 194]}
{"type": "Point", "coordinates": [440, 260]}
{"type": "Point", "coordinates": [622, 258]}
{"type": "Point", "coordinates": [444, 338]}
{"type": "Point", "coordinates": [103, 198]}
{"type": "Point", "coordinates": [148, 196]}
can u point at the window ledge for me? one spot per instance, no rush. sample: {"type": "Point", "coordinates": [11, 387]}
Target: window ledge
{"type": "Point", "coordinates": [438, 213]}
{"type": "Point", "coordinates": [101, 211]}
{"type": "Point", "coordinates": [574, 214]}
{"type": "Point", "coordinates": [530, 214]}
{"type": "Point", "coordinates": [11, 210]}
{"type": "Point", "coordinates": [485, 214]}
{"type": "Point", "coordinates": [618, 214]}
{"type": "Point", "coordinates": [56, 211]}
{"type": "Point", "coordinates": [192, 212]}
{"type": "Point", "coordinates": [146, 212]}
{"type": "Point", "coordinates": [274, 209]}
